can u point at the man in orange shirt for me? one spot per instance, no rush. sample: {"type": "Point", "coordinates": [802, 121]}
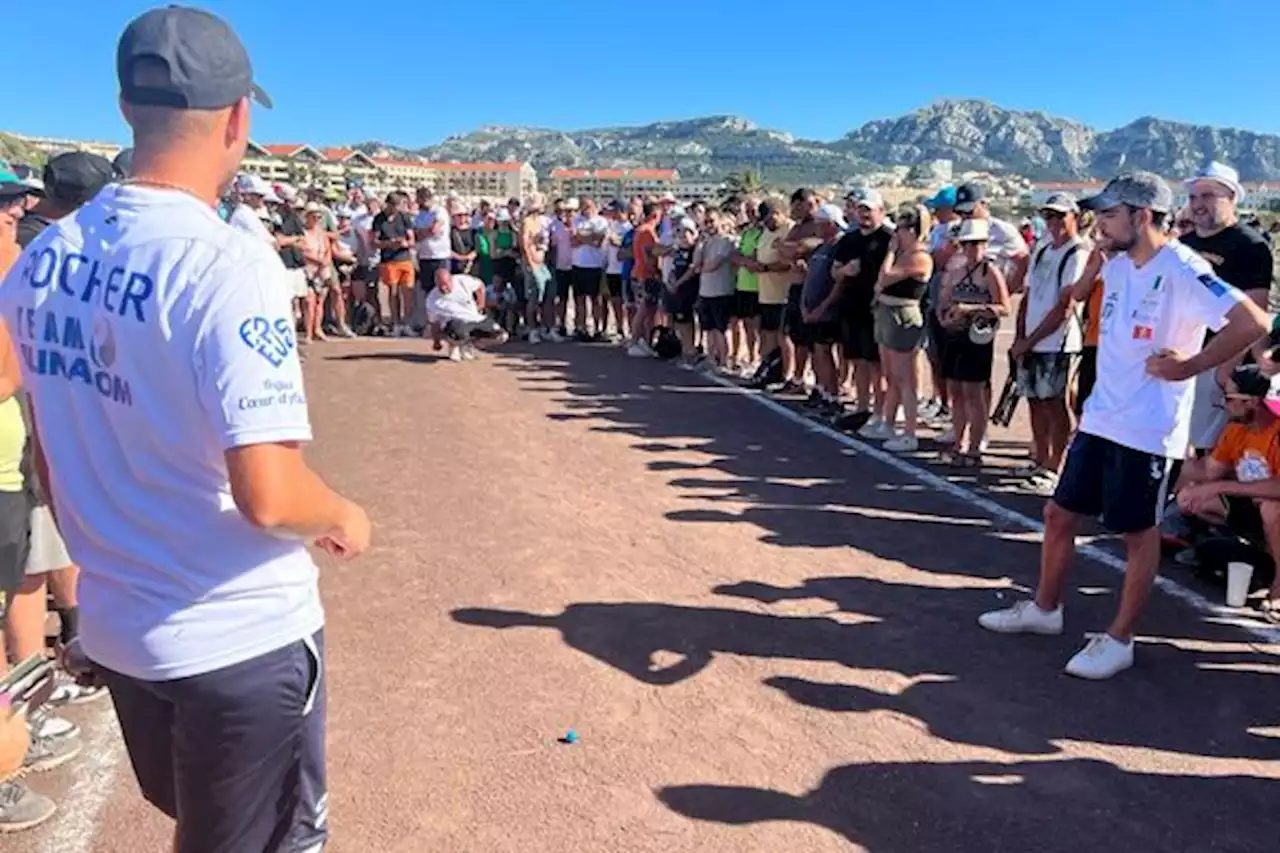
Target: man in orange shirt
{"type": "Point", "coordinates": [1238, 483]}
{"type": "Point", "coordinates": [646, 281]}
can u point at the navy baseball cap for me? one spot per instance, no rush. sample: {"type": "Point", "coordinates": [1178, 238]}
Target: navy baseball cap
{"type": "Point", "coordinates": [184, 58]}
{"type": "Point", "coordinates": [967, 197]}
{"type": "Point", "coordinates": [1134, 189]}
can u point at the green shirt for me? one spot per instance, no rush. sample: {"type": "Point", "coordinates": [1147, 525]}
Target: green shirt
{"type": "Point", "coordinates": [747, 280]}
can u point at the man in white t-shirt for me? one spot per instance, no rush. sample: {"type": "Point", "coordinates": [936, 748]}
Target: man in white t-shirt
{"type": "Point", "coordinates": [163, 334]}
{"type": "Point", "coordinates": [1005, 246]}
{"type": "Point", "coordinates": [1160, 298]}
{"type": "Point", "coordinates": [1046, 352]}
{"type": "Point", "coordinates": [457, 304]}
{"type": "Point", "coordinates": [587, 236]}
{"type": "Point", "coordinates": [252, 216]}
{"type": "Point", "coordinates": [434, 248]}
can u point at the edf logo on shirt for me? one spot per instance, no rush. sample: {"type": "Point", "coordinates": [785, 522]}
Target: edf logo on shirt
{"type": "Point", "coordinates": [272, 341]}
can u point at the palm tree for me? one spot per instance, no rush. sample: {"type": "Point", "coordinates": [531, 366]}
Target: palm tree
{"type": "Point", "coordinates": [748, 182]}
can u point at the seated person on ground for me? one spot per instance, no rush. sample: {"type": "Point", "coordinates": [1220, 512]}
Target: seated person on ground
{"type": "Point", "coordinates": [1238, 483]}
{"type": "Point", "coordinates": [457, 303]}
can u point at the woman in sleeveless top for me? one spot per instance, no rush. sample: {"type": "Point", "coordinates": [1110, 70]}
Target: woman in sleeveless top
{"type": "Point", "coordinates": [899, 323]}
{"type": "Point", "coordinates": [973, 299]}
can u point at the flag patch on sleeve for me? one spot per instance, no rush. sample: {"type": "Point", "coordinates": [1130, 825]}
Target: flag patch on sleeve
{"type": "Point", "coordinates": [1216, 286]}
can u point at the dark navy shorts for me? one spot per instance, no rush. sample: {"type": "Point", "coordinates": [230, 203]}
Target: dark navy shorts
{"type": "Point", "coordinates": [1127, 488]}
{"type": "Point", "coordinates": [237, 753]}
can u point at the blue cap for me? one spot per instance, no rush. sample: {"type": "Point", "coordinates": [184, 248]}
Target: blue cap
{"type": "Point", "coordinates": [944, 197]}
{"type": "Point", "coordinates": [184, 58]}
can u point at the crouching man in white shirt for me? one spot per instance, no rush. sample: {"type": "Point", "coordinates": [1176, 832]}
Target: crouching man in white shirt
{"type": "Point", "coordinates": [457, 304]}
{"type": "Point", "coordinates": [1160, 298]}
{"type": "Point", "coordinates": [163, 334]}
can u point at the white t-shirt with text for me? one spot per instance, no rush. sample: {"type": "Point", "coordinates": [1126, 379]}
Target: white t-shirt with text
{"type": "Point", "coordinates": [1168, 303]}
{"type": "Point", "coordinates": [154, 337]}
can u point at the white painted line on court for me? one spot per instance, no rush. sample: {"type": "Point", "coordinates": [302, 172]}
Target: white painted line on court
{"type": "Point", "coordinates": [1003, 513]}
{"type": "Point", "coordinates": [74, 828]}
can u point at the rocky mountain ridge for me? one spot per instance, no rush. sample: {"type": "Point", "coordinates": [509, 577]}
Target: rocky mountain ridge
{"type": "Point", "coordinates": [973, 134]}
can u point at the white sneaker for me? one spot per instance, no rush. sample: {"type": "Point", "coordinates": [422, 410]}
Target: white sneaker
{"type": "Point", "coordinates": [455, 352]}
{"type": "Point", "coordinates": [947, 436]}
{"type": "Point", "coordinates": [67, 692]}
{"type": "Point", "coordinates": [877, 429]}
{"type": "Point", "coordinates": [45, 726]}
{"type": "Point", "coordinates": [1102, 657]}
{"type": "Point", "coordinates": [534, 337]}
{"type": "Point", "coordinates": [1023, 618]}
{"type": "Point", "coordinates": [555, 337]}
{"type": "Point", "coordinates": [637, 350]}
{"type": "Point", "coordinates": [469, 352]}
{"type": "Point", "coordinates": [983, 445]}
{"type": "Point", "coordinates": [870, 427]}
{"type": "Point", "coordinates": [902, 444]}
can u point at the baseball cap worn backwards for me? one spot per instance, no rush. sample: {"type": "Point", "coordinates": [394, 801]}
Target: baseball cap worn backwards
{"type": "Point", "coordinates": [967, 197]}
{"type": "Point", "coordinates": [1134, 189]}
{"type": "Point", "coordinates": [75, 177]}
{"type": "Point", "coordinates": [186, 59]}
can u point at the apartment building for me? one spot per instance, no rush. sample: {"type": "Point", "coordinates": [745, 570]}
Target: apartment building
{"type": "Point", "coordinates": [688, 191]}
{"type": "Point", "coordinates": [613, 183]}
{"type": "Point", "coordinates": [50, 146]}
{"type": "Point", "coordinates": [491, 181]}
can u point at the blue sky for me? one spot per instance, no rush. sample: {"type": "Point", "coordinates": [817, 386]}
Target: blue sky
{"type": "Point", "coordinates": [567, 64]}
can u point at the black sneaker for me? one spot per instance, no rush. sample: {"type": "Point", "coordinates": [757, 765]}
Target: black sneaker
{"type": "Point", "coordinates": [815, 400]}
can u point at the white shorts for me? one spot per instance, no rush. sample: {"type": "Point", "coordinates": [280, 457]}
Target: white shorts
{"type": "Point", "coordinates": [48, 552]}
{"type": "Point", "coordinates": [296, 283]}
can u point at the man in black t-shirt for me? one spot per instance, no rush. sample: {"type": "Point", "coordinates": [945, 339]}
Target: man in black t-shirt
{"type": "Point", "coordinates": [289, 234]}
{"type": "Point", "coordinates": [1241, 258]}
{"type": "Point", "coordinates": [856, 263]}
{"type": "Point", "coordinates": [392, 234]}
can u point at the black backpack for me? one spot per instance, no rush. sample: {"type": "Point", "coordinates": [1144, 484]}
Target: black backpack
{"type": "Point", "coordinates": [364, 317]}
{"type": "Point", "coordinates": [665, 343]}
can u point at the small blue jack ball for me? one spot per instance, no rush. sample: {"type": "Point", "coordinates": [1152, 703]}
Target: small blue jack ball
{"type": "Point", "coordinates": [570, 737]}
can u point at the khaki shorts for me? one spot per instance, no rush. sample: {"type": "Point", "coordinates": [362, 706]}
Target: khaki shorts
{"type": "Point", "coordinates": [48, 552]}
{"type": "Point", "coordinates": [899, 327]}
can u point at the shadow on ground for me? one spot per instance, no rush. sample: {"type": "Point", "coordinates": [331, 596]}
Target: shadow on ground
{"type": "Point", "coordinates": [1199, 690]}
{"type": "Point", "coordinates": [1084, 806]}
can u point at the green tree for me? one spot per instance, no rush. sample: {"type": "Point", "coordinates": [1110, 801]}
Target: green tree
{"type": "Point", "coordinates": [744, 183]}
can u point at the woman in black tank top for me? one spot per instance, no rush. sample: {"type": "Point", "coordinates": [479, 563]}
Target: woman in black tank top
{"type": "Point", "coordinates": [899, 323]}
{"type": "Point", "coordinates": [973, 299]}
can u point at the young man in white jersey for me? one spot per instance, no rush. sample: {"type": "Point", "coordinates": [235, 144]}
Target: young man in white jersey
{"type": "Point", "coordinates": [1159, 299]}
{"type": "Point", "coordinates": [434, 248]}
{"type": "Point", "coordinates": [188, 503]}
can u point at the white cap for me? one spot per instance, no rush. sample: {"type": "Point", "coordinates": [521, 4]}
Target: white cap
{"type": "Point", "coordinates": [831, 213]}
{"type": "Point", "coordinates": [251, 184]}
{"type": "Point", "coordinates": [571, 204]}
{"type": "Point", "coordinates": [974, 231]}
{"type": "Point", "coordinates": [315, 207]}
{"type": "Point", "coordinates": [1222, 174]}
{"type": "Point", "coordinates": [503, 215]}
{"type": "Point", "coordinates": [286, 193]}
{"type": "Point", "coordinates": [667, 198]}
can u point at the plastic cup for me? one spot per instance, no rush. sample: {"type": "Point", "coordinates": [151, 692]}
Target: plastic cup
{"type": "Point", "coordinates": [1238, 577]}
